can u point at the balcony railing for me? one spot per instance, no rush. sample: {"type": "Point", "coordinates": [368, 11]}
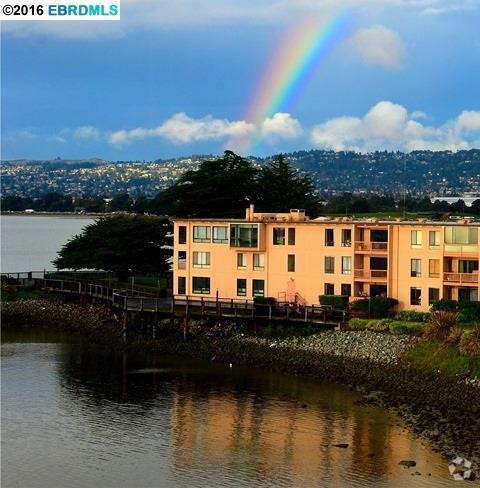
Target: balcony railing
{"type": "Point", "coordinates": [182, 264]}
{"type": "Point", "coordinates": [371, 246]}
{"type": "Point", "coordinates": [460, 277]}
{"type": "Point", "coordinates": [369, 274]}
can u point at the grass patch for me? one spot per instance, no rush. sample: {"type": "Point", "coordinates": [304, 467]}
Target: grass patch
{"type": "Point", "coordinates": [443, 357]}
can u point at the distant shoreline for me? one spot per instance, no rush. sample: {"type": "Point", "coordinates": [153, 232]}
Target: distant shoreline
{"type": "Point", "coordinates": [51, 214]}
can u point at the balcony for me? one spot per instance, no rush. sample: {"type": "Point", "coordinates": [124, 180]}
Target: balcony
{"type": "Point", "coordinates": [182, 264]}
{"type": "Point", "coordinates": [461, 278]}
{"type": "Point", "coordinates": [371, 274]}
{"type": "Point", "coordinates": [361, 246]}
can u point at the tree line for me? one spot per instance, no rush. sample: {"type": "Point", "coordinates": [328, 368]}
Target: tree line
{"type": "Point", "coordinates": [226, 186]}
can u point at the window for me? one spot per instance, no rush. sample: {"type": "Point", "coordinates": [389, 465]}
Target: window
{"type": "Point", "coordinates": [415, 296]}
{"type": "Point", "coordinates": [201, 233]}
{"type": "Point", "coordinates": [244, 235]}
{"type": "Point", "coordinates": [416, 239]}
{"type": "Point", "coordinates": [329, 289]}
{"type": "Point", "coordinates": [259, 262]}
{"type": "Point", "coordinates": [241, 260]}
{"type": "Point", "coordinates": [433, 295]}
{"type": "Point", "coordinates": [346, 237]}
{"type": "Point", "coordinates": [241, 287]}
{"type": "Point", "coordinates": [467, 266]}
{"type": "Point", "coordinates": [182, 259]}
{"type": "Point", "coordinates": [434, 239]}
{"type": "Point", "coordinates": [329, 239]}
{"type": "Point", "coordinates": [278, 236]}
{"type": "Point", "coordinates": [379, 235]}
{"type": "Point", "coordinates": [346, 289]}
{"type": "Point", "coordinates": [291, 263]}
{"type": "Point", "coordinates": [201, 285]}
{"type": "Point", "coordinates": [201, 259]}
{"type": "Point", "coordinates": [346, 265]}
{"type": "Point", "coordinates": [380, 264]}
{"type": "Point", "coordinates": [461, 235]}
{"type": "Point", "coordinates": [434, 268]}
{"type": "Point", "coordinates": [182, 234]}
{"type": "Point", "coordinates": [416, 268]}
{"type": "Point", "coordinates": [468, 294]}
{"type": "Point", "coordinates": [182, 285]}
{"type": "Point", "coordinates": [220, 235]}
{"type": "Point", "coordinates": [291, 236]}
{"type": "Point", "coordinates": [258, 288]}
{"type": "Point", "coordinates": [329, 264]}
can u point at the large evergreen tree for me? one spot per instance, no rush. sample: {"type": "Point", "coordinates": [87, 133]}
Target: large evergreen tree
{"type": "Point", "coordinates": [122, 244]}
{"type": "Point", "coordinates": [220, 188]}
{"type": "Point", "coordinates": [282, 188]}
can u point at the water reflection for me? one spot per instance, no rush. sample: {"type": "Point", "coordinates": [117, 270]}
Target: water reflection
{"type": "Point", "coordinates": [112, 419]}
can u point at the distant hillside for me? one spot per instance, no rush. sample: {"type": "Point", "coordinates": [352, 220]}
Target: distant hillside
{"type": "Point", "coordinates": [419, 172]}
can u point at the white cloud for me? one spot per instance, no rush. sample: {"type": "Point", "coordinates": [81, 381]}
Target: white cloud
{"type": "Point", "coordinates": [378, 45]}
{"type": "Point", "coordinates": [469, 121]}
{"type": "Point", "coordinates": [389, 126]}
{"type": "Point", "coordinates": [182, 129]}
{"type": "Point", "coordinates": [418, 114]}
{"type": "Point", "coordinates": [385, 126]}
{"type": "Point", "coordinates": [281, 126]}
{"type": "Point", "coordinates": [87, 132]}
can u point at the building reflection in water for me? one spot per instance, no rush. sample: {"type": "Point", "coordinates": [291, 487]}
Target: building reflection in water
{"type": "Point", "coordinates": [273, 438]}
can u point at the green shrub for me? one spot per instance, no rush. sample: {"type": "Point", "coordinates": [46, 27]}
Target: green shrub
{"type": "Point", "coordinates": [334, 301]}
{"type": "Point", "coordinates": [412, 316]}
{"type": "Point", "coordinates": [455, 334]}
{"type": "Point", "coordinates": [403, 327]}
{"type": "Point", "coordinates": [470, 342]}
{"type": "Point", "coordinates": [376, 306]}
{"type": "Point", "coordinates": [358, 324]}
{"type": "Point", "coordinates": [378, 325]}
{"type": "Point", "coordinates": [439, 324]}
{"type": "Point", "coordinates": [444, 304]}
{"type": "Point", "coordinates": [469, 311]}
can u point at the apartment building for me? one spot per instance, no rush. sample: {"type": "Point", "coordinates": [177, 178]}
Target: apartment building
{"type": "Point", "coordinates": [289, 257]}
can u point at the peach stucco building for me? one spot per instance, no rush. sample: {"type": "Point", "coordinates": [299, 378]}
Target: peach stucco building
{"type": "Point", "coordinates": [289, 257]}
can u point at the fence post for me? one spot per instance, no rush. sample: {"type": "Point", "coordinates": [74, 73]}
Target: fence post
{"type": "Point", "coordinates": [306, 314]}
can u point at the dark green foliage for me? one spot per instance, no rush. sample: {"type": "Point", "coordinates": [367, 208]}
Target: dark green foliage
{"type": "Point", "coordinates": [122, 243]}
{"type": "Point", "coordinates": [412, 316]}
{"type": "Point", "coordinates": [412, 328]}
{"type": "Point", "coordinates": [469, 312]}
{"type": "Point", "coordinates": [334, 301]}
{"type": "Point", "coordinates": [375, 306]}
{"type": "Point", "coordinates": [281, 188]}
{"type": "Point", "coordinates": [386, 325]}
{"type": "Point", "coordinates": [221, 188]}
{"type": "Point", "coordinates": [120, 203]}
{"type": "Point", "coordinates": [444, 304]}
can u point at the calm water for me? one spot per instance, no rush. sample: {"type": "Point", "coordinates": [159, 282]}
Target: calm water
{"type": "Point", "coordinates": [29, 243]}
{"type": "Point", "coordinates": [76, 416]}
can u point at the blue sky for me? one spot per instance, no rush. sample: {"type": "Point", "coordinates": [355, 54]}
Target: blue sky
{"type": "Point", "coordinates": [172, 79]}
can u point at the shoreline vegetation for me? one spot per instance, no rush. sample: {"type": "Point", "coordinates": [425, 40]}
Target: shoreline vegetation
{"type": "Point", "coordinates": [404, 373]}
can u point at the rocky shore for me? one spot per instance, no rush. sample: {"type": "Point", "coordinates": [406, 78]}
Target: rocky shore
{"type": "Point", "coordinates": [441, 408]}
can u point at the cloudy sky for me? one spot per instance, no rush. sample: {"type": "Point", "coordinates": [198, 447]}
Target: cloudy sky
{"type": "Point", "coordinates": [174, 78]}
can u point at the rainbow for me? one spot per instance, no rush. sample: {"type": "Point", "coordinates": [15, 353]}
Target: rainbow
{"type": "Point", "coordinates": [293, 64]}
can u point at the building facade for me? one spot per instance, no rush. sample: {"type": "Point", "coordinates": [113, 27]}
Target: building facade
{"type": "Point", "coordinates": [291, 258]}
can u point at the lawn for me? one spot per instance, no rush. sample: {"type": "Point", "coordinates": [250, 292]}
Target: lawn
{"type": "Point", "coordinates": [443, 357]}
